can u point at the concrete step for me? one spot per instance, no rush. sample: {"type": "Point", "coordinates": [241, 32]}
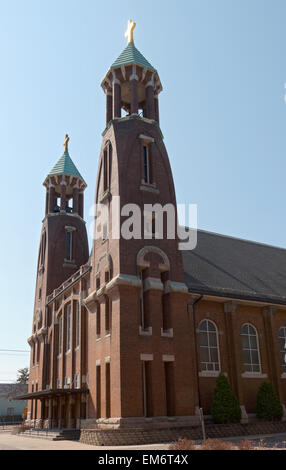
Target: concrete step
{"type": "Point", "coordinates": [40, 435]}
{"type": "Point", "coordinates": [68, 435]}
{"type": "Point", "coordinates": [54, 435]}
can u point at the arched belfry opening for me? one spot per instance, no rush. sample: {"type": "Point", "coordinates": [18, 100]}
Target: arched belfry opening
{"type": "Point", "coordinates": [131, 85]}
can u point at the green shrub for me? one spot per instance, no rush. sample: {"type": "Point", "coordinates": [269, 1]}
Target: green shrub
{"type": "Point", "coordinates": [268, 406]}
{"type": "Point", "coordinates": [225, 406]}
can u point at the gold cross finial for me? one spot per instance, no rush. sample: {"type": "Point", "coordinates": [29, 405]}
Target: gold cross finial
{"type": "Point", "coordinates": [129, 31]}
{"type": "Point", "coordinates": [66, 143]}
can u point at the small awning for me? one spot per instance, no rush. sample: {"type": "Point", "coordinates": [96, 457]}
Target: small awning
{"type": "Point", "coordinates": [58, 392]}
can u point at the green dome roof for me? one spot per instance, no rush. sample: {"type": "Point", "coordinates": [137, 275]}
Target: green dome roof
{"type": "Point", "coordinates": [131, 55]}
{"type": "Point", "coordinates": [65, 166]}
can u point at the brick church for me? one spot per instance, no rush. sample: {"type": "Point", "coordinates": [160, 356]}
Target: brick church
{"type": "Point", "coordinates": [135, 332]}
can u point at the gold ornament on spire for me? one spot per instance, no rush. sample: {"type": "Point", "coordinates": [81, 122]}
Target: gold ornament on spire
{"type": "Point", "coordinates": [66, 143]}
{"type": "Point", "coordinates": [129, 31]}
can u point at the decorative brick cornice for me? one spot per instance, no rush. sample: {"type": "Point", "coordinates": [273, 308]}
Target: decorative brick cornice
{"type": "Point", "coordinates": [42, 332]}
{"type": "Point", "coordinates": [124, 280]}
{"type": "Point", "coordinates": [130, 117]}
{"type": "Point", "coordinates": [92, 298]}
{"type": "Point", "coordinates": [31, 340]}
{"type": "Point", "coordinates": [172, 286]}
{"type": "Point", "coordinates": [152, 284]}
{"type": "Point", "coordinates": [100, 292]}
{"type": "Point", "coordinates": [119, 280]}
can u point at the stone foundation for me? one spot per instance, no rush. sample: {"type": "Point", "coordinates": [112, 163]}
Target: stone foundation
{"type": "Point", "coordinates": [158, 422]}
{"type": "Point", "coordinates": [133, 436]}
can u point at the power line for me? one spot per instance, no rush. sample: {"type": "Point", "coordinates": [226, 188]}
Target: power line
{"type": "Point", "coordinates": [15, 355]}
{"type": "Point", "coordinates": [7, 372]}
{"type": "Point", "coordinates": [14, 350]}
{"type": "Point", "coordinates": [22, 355]}
{"type": "Point", "coordinates": [7, 381]}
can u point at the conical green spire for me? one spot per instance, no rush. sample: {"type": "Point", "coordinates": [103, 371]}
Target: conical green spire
{"type": "Point", "coordinates": [65, 166]}
{"type": "Point", "coordinates": [131, 55]}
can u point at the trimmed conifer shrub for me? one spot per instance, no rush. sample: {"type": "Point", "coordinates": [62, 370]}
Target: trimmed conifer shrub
{"type": "Point", "coordinates": [268, 406]}
{"type": "Point", "coordinates": [225, 406]}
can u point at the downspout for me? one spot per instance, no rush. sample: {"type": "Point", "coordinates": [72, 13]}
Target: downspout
{"type": "Point", "coordinates": [192, 303]}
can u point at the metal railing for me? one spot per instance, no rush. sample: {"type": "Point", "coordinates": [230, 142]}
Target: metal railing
{"type": "Point", "coordinates": [4, 424]}
{"type": "Point", "coordinates": [77, 275]}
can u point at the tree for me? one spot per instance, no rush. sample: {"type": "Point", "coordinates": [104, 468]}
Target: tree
{"type": "Point", "coordinates": [23, 375]}
{"type": "Point", "coordinates": [268, 406]}
{"type": "Point", "coordinates": [225, 406]}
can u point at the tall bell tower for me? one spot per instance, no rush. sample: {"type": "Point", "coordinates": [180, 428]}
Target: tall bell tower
{"type": "Point", "coordinates": [138, 301]}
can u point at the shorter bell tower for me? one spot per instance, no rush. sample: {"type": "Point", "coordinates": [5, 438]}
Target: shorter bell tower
{"type": "Point", "coordinates": [64, 245]}
{"type": "Point", "coordinates": [63, 250]}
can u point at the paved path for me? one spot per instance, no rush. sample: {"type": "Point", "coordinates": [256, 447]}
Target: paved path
{"type": "Point", "coordinates": [14, 442]}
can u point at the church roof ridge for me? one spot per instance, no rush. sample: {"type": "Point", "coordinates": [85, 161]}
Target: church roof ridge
{"type": "Point", "coordinates": [240, 239]}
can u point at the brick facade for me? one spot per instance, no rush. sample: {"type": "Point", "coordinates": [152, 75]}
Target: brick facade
{"type": "Point", "coordinates": [113, 334]}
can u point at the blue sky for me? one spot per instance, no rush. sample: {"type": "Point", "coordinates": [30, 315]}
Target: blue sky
{"type": "Point", "coordinates": [223, 114]}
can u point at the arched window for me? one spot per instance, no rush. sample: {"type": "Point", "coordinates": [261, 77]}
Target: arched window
{"type": "Point", "coordinates": [209, 349]}
{"type": "Point", "coordinates": [282, 341]}
{"type": "Point", "coordinates": [106, 166]}
{"type": "Point", "coordinates": [250, 349]}
{"type": "Point", "coordinates": [68, 330]}
{"type": "Point", "coordinates": [38, 351]}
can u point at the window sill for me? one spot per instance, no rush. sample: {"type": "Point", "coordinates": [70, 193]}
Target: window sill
{"type": "Point", "coordinates": [70, 261]}
{"type": "Point", "coordinates": [283, 376]}
{"type": "Point", "coordinates": [145, 331]}
{"type": "Point", "coordinates": [253, 375]}
{"type": "Point", "coordinates": [98, 338]}
{"type": "Point", "coordinates": [209, 373]}
{"type": "Point", "coordinates": [149, 188]}
{"type": "Point", "coordinates": [167, 333]}
{"type": "Point", "coordinates": [67, 352]}
{"type": "Point", "coordinates": [69, 264]}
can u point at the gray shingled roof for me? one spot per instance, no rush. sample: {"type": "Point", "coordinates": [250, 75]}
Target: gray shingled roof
{"type": "Point", "coordinates": [231, 267]}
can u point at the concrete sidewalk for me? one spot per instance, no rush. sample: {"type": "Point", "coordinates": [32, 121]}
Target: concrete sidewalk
{"type": "Point", "coordinates": [16, 442]}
